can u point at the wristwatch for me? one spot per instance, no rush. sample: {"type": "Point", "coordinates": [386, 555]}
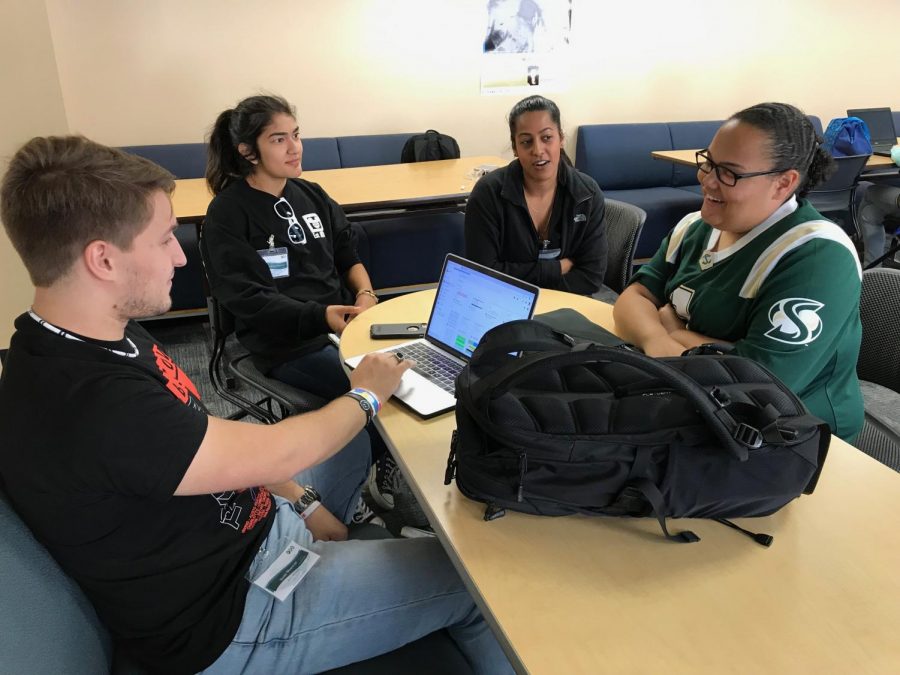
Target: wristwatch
{"type": "Point", "coordinates": [309, 497]}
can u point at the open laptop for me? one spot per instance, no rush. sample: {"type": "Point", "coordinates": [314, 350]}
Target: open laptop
{"type": "Point", "coordinates": [470, 300]}
{"type": "Point", "coordinates": [881, 128]}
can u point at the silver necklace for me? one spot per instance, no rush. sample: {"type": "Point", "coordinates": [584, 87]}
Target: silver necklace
{"type": "Point", "coordinates": [59, 331]}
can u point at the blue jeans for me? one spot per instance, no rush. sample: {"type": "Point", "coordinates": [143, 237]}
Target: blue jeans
{"type": "Point", "coordinates": [361, 599]}
{"type": "Point", "coordinates": [340, 478]}
{"type": "Point", "coordinates": [321, 373]}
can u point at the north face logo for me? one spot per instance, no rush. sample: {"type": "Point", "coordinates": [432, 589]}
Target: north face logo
{"type": "Point", "coordinates": [795, 321]}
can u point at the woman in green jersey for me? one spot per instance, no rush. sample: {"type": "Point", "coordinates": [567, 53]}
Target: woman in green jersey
{"type": "Point", "coordinates": [759, 267]}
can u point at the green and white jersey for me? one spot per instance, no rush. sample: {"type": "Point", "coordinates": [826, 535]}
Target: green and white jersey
{"type": "Point", "coordinates": [786, 294]}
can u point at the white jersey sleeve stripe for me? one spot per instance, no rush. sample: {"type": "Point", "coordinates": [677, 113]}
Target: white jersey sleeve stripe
{"type": "Point", "coordinates": [678, 233]}
{"type": "Point", "coordinates": [790, 240]}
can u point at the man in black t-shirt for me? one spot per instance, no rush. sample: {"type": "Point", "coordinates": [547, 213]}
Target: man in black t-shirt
{"type": "Point", "coordinates": [155, 508]}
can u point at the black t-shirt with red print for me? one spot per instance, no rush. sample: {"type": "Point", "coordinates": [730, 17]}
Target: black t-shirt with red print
{"type": "Point", "coordinates": [94, 439]}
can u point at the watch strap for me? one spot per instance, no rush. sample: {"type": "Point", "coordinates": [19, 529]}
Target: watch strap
{"type": "Point", "coordinates": [364, 403]}
{"type": "Point", "coordinates": [309, 510]}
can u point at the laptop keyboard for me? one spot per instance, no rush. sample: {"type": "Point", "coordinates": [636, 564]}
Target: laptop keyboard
{"type": "Point", "coordinates": [432, 365]}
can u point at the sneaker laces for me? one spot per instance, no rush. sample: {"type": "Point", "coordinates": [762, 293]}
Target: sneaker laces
{"type": "Point", "coordinates": [364, 514]}
{"type": "Point", "coordinates": [390, 474]}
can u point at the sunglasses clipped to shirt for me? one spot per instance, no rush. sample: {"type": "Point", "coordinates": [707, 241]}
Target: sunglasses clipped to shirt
{"type": "Point", "coordinates": [295, 231]}
{"type": "Point", "coordinates": [725, 175]}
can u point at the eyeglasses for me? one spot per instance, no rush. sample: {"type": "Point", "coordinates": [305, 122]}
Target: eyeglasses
{"type": "Point", "coordinates": [725, 175]}
{"type": "Point", "coordinates": [295, 230]}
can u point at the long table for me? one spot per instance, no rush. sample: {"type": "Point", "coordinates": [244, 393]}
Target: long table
{"type": "Point", "coordinates": [688, 158]}
{"type": "Point", "coordinates": [590, 595]}
{"type": "Point", "coordinates": [439, 184]}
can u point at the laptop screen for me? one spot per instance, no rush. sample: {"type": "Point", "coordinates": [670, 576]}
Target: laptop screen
{"type": "Point", "coordinates": [471, 299]}
{"type": "Point", "coordinates": [880, 122]}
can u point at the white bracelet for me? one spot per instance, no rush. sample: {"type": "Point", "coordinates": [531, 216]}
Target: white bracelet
{"type": "Point", "coordinates": [309, 510]}
{"type": "Point", "coordinates": [370, 396]}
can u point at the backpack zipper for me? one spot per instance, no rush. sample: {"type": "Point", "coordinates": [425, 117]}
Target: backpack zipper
{"type": "Point", "coordinates": [523, 467]}
{"type": "Point", "coordinates": [450, 471]}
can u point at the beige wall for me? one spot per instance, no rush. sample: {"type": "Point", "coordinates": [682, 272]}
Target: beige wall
{"type": "Point", "coordinates": [32, 105]}
{"type": "Point", "coordinates": [158, 71]}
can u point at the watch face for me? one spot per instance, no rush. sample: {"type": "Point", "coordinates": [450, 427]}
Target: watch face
{"type": "Point", "coordinates": [309, 496]}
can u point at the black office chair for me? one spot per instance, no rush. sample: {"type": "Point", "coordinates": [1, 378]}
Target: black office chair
{"type": "Point", "coordinates": [279, 400]}
{"type": "Point", "coordinates": [878, 366]}
{"type": "Point", "coordinates": [623, 222]}
{"type": "Point", "coordinates": [837, 195]}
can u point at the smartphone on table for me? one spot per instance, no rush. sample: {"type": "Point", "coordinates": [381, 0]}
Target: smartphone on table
{"type": "Point", "coordinates": [387, 331]}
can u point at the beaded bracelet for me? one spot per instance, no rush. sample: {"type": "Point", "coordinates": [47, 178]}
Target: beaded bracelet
{"type": "Point", "coordinates": [369, 292]}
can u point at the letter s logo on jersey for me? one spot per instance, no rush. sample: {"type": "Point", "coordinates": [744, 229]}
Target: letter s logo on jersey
{"type": "Point", "coordinates": [795, 321]}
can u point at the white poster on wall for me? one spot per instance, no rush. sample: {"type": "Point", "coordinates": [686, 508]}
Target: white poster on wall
{"type": "Point", "coordinates": [526, 46]}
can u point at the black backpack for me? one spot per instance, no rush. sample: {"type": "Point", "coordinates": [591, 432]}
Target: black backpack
{"type": "Point", "coordinates": [429, 146]}
{"type": "Point", "coordinates": [575, 427]}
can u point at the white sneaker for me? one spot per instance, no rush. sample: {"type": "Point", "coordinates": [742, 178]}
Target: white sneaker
{"type": "Point", "coordinates": [364, 514]}
{"type": "Point", "coordinates": [410, 532]}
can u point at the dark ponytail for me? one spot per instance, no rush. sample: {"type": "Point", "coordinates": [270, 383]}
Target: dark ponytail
{"type": "Point", "coordinates": [222, 158]}
{"type": "Point", "coordinates": [242, 124]}
{"type": "Point", "coordinates": [794, 143]}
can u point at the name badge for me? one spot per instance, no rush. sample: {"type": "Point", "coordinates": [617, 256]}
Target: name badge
{"type": "Point", "coordinates": [549, 253]}
{"type": "Point", "coordinates": [283, 575]}
{"type": "Point", "coordinates": [277, 260]}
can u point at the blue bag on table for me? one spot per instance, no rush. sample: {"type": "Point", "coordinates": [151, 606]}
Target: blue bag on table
{"type": "Point", "coordinates": [847, 136]}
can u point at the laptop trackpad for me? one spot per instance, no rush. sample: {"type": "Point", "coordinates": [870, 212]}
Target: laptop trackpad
{"type": "Point", "coordinates": [423, 396]}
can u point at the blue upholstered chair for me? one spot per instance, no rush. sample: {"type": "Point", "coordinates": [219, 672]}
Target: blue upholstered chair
{"type": "Point", "coordinates": [321, 153]}
{"type": "Point", "coordinates": [618, 157]}
{"type": "Point", "coordinates": [410, 250]}
{"type": "Point", "coordinates": [689, 136]}
{"type": "Point", "coordinates": [371, 150]}
{"type": "Point", "coordinates": [47, 625]}
{"type": "Point", "coordinates": [185, 160]}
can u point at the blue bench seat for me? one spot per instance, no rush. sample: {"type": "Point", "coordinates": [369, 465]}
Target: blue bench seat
{"type": "Point", "coordinates": [618, 157]}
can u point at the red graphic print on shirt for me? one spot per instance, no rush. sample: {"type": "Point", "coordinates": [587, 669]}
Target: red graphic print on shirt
{"type": "Point", "coordinates": [261, 507]}
{"type": "Point", "coordinates": [176, 381]}
{"type": "Point", "coordinates": [230, 511]}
